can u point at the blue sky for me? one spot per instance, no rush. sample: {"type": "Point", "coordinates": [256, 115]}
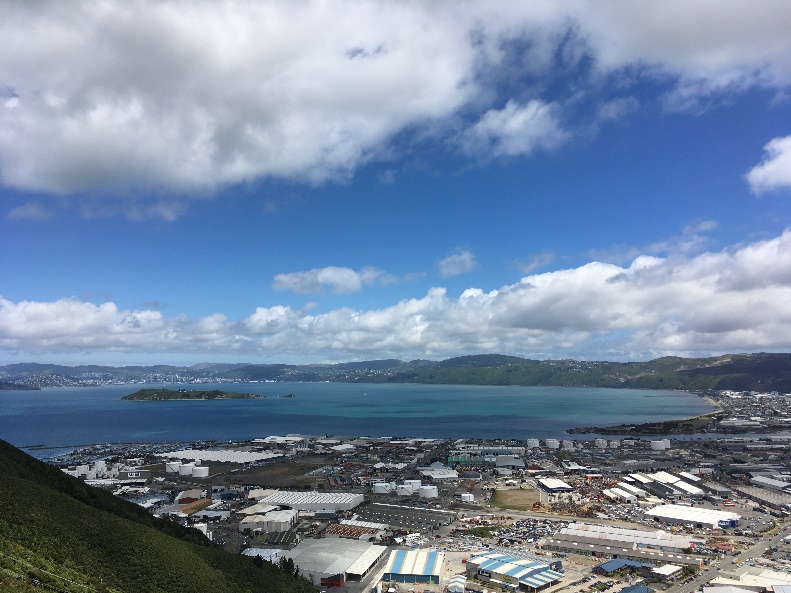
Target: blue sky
{"type": "Point", "coordinates": [321, 182]}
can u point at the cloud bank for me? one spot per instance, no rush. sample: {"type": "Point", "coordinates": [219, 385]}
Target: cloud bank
{"type": "Point", "coordinates": [738, 299]}
{"type": "Point", "coordinates": [131, 98]}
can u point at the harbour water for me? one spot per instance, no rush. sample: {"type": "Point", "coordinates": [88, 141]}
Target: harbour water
{"type": "Point", "coordinates": [66, 416]}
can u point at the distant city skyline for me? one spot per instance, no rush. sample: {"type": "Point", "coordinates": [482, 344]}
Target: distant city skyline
{"type": "Point", "coordinates": [185, 182]}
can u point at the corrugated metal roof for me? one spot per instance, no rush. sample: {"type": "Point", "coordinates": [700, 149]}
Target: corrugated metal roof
{"type": "Point", "coordinates": [366, 560]}
{"type": "Point", "coordinates": [418, 562]}
{"type": "Point", "coordinates": [535, 574]}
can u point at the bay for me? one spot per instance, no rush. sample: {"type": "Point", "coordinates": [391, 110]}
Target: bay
{"type": "Point", "coordinates": [66, 416]}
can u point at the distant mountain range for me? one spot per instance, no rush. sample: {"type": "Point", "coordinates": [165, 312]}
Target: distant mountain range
{"type": "Point", "coordinates": [753, 372]}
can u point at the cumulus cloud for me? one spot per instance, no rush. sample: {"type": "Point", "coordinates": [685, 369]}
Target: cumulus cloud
{"type": "Point", "coordinates": [177, 97]}
{"type": "Point", "coordinates": [774, 172]}
{"type": "Point", "coordinates": [339, 280]}
{"type": "Point", "coordinates": [738, 299]}
{"type": "Point", "coordinates": [515, 130]}
{"type": "Point", "coordinates": [460, 262]}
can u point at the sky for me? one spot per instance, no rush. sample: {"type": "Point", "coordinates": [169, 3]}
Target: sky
{"type": "Point", "coordinates": [317, 182]}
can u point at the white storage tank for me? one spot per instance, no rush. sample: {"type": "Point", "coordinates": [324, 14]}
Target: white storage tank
{"type": "Point", "coordinates": [568, 445]}
{"type": "Point", "coordinates": [658, 445]}
{"type": "Point", "coordinates": [552, 444]}
{"type": "Point", "coordinates": [200, 471]}
{"type": "Point", "coordinates": [382, 488]}
{"type": "Point", "coordinates": [186, 469]}
{"type": "Point", "coordinates": [601, 443]}
{"type": "Point", "coordinates": [172, 467]}
{"type": "Point", "coordinates": [90, 475]}
{"type": "Point", "coordinates": [667, 443]}
{"type": "Point", "coordinates": [83, 469]}
{"type": "Point", "coordinates": [404, 490]}
{"type": "Point", "coordinates": [100, 466]}
{"type": "Point", "coordinates": [532, 443]}
{"type": "Point", "coordinates": [414, 484]}
{"type": "Point", "coordinates": [428, 492]}
{"type": "Point", "coordinates": [615, 444]}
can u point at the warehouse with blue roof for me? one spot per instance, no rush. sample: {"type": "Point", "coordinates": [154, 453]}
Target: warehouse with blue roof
{"type": "Point", "coordinates": [415, 566]}
{"type": "Point", "coordinates": [519, 574]}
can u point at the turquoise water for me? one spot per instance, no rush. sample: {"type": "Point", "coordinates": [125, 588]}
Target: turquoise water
{"type": "Point", "coordinates": [74, 416]}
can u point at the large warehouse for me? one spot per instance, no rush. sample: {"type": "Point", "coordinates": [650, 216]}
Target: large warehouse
{"type": "Point", "coordinates": [333, 561]}
{"type": "Point", "coordinates": [414, 566]}
{"type": "Point", "coordinates": [698, 517]}
{"type": "Point", "coordinates": [621, 537]}
{"type": "Point", "coordinates": [315, 501]}
{"type": "Point", "coordinates": [511, 572]}
{"type": "Point", "coordinates": [554, 485]}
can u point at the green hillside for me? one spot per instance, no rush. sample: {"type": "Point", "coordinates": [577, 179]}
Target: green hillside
{"type": "Point", "coordinates": [57, 531]}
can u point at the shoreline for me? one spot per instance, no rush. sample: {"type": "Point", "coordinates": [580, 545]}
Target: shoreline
{"type": "Point", "coordinates": [687, 425]}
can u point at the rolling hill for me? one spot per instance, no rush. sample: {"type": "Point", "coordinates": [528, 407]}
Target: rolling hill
{"type": "Point", "coordinates": [60, 534]}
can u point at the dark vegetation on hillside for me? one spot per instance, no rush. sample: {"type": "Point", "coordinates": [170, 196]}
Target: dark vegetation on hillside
{"type": "Point", "coordinates": [56, 530]}
{"type": "Point", "coordinates": [150, 395]}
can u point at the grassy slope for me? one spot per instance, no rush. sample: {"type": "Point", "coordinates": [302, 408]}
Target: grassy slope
{"type": "Point", "coordinates": [76, 538]}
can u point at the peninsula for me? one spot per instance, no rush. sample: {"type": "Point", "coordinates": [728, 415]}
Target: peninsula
{"type": "Point", "coordinates": [156, 395]}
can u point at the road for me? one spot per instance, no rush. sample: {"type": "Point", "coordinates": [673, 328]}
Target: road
{"type": "Point", "coordinates": [730, 562]}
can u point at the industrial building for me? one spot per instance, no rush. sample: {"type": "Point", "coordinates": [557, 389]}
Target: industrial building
{"type": "Point", "coordinates": [627, 552]}
{"type": "Point", "coordinates": [272, 522]}
{"type": "Point", "coordinates": [620, 495]}
{"type": "Point", "coordinates": [510, 572]}
{"type": "Point", "coordinates": [439, 474]}
{"type": "Point", "coordinates": [584, 533]}
{"type": "Point", "coordinates": [315, 501]}
{"type": "Point", "coordinates": [698, 517]}
{"type": "Point", "coordinates": [414, 566]}
{"type": "Point", "coordinates": [457, 584]}
{"type": "Point", "coordinates": [554, 485]}
{"type": "Point", "coordinates": [333, 561]}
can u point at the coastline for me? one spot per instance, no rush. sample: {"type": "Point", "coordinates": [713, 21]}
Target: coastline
{"type": "Point", "coordinates": [686, 425]}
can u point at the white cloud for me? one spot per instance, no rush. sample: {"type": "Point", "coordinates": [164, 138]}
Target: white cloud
{"type": "Point", "coordinates": [144, 98]}
{"type": "Point", "coordinates": [458, 263]}
{"type": "Point", "coordinates": [737, 299]}
{"type": "Point", "coordinates": [515, 130]}
{"type": "Point", "coordinates": [775, 170]}
{"type": "Point", "coordinates": [616, 109]}
{"type": "Point", "coordinates": [535, 262]}
{"type": "Point", "coordinates": [692, 240]}
{"type": "Point", "coordinates": [339, 280]}
{"type": "Point", "coordinates": [30, 211]}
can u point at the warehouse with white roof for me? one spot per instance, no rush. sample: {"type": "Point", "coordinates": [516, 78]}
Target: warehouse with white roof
{"type": "Point", "coordinates": [585, 533]}
{"type": "Point", "coordinates": [510, 572]}
{"type": "Point", "coordinates": [620, 495]}
{"type": "Point", "coordinates": [554, 485]}
{"type": "Point", "coordinates": [315, 501]}
{"type": "Point", "coordinates": [699, 517]}
{"type": "Point", "coordinates": [333, 561]}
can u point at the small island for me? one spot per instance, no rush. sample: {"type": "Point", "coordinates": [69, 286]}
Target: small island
{"type": "Point", "coordinates": [158, 395]}
{"type": "Point", "coordinates": [287, 395]}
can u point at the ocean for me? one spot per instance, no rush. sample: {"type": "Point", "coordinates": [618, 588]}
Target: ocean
{"type": "Point", "coordinates": [68, 416]}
